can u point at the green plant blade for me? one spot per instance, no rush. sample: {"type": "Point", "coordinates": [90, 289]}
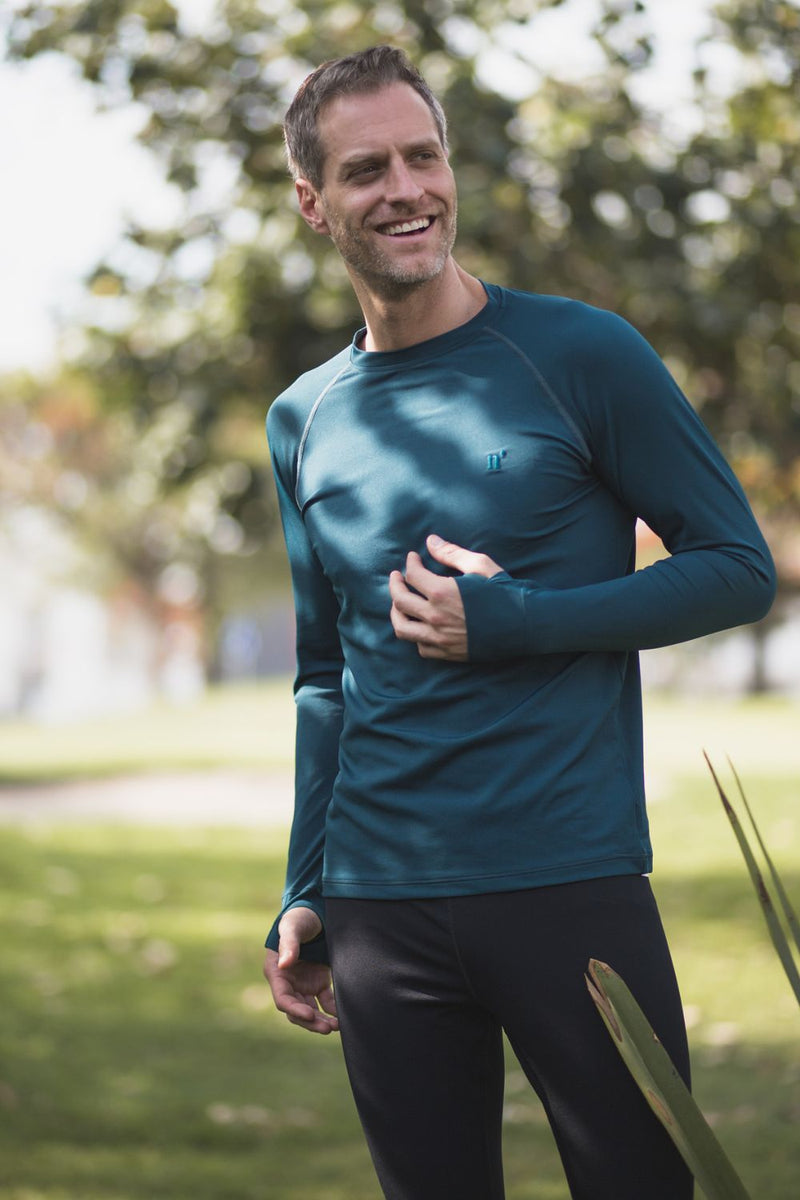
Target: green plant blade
{"type": "Point", "coordinates": [662, 1086]}
{"type": "Point", "coordinates": [779, 940]}
{"type": "Point", "coordinates": [786, 904]}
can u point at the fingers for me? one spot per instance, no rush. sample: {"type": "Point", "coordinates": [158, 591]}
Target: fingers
{"type": "Point", "coordinates": [427, 608]}
{"type": "Point", "coordinates": [437, 626]}
{"type": "Point", "coordinates": [303, 993]}
{"type": "Point", "coordinates": [327, 1002]}
{"type": "Point", "coordinates": [301, 990]}
{"type": "Point", "coordinates": [417, 593]}
{"type": "Point", "coordinates": [408, 604]}
{"type": "Point", "coordinates": [468, 562]}
{"type": "Point", "coordinates": [424, 619]}
{"type": "Point", "coordinates": [412, 616]}
{"type": "Point", "coordinates": [302, 1010]}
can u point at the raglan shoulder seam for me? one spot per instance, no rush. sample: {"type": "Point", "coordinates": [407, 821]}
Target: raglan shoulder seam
{"type": "Point", "coordinates": [307, 427]}
{"type": "Point", "coordinates": [557, 403]}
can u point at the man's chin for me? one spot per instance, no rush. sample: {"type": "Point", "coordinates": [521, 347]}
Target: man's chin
{"type": "Point", "coordinates": [403, 278]}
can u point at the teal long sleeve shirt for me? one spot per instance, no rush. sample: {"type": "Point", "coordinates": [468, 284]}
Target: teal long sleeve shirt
{"type": "Point", "coordinates": [536, 433]}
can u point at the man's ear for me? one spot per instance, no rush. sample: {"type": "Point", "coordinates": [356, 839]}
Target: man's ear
{"type": "Point", "coordinates": [310, 201]}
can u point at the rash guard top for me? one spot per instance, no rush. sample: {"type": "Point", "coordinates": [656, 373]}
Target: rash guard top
{"type": "Point", "coordinates": [536, 433]}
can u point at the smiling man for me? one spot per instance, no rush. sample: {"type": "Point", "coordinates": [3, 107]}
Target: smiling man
{"type": "Point", "coordinates": [377, 173]}
{"type": "Point", "coordinates": [470, 823]}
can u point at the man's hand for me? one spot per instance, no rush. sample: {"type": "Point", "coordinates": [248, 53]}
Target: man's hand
{"type": "Point", "coordinates": [432, 614]}
{"type": "Point", "coordinates": [301, 990]}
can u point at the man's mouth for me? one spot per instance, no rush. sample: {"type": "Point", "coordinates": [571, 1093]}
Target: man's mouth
{"type": "Point", "coordinates": [402, 228]}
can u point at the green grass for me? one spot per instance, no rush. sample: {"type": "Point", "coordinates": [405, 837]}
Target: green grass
{"type": "Point", "coordinates": [140, 1057]}
{"type": "Point", "coordinates": [243, 726]}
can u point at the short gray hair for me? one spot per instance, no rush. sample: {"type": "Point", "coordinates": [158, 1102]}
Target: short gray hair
{"type": "Point", "coordinates": [367, 71]}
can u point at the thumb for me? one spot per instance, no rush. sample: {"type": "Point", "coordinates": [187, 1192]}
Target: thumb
{"type": "Point", "coordinates": [298, 925]}
{"type": "Point", "coordinates": [288, 948]}
{"type": "Point", "coordinates": [467, 561]}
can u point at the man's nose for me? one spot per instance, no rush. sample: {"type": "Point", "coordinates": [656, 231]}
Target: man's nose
{"type": "Point", "coordinates": [401, 185]}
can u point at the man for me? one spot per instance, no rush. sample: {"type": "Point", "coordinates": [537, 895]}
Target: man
{"type": "Point", "coordinates": [469, 794]}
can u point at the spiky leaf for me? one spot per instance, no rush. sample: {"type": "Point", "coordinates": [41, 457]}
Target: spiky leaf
{"type": "Point", "coordinates": [786, 904]}
{"type": "Point", "coordinates": [661, 1085]}
{"type": "Point", "coordinates": [779, 939]}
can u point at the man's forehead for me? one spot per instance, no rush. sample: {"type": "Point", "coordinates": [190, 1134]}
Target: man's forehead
{"type": "Point", "coordinates": [362, 120]}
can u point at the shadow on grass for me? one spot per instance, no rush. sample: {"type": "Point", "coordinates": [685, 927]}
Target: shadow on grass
{"type": "Point", "coordinates": [141, 1056]}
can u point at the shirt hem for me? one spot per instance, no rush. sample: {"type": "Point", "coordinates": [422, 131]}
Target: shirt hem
{"type": "Point", "coordinates": [419, 889]}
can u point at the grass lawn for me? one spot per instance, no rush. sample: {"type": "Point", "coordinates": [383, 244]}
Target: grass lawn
{"type": "Point", "coordinates": [140, 1058]}
{"type": "Point", "coordinates": [243, 726]}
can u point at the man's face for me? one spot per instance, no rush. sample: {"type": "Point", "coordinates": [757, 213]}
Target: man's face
{"type": "Point", "coordinates": [388, 197]}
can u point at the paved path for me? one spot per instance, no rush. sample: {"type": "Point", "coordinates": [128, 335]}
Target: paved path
{"type": "Point", "coordinates": [220, 797]}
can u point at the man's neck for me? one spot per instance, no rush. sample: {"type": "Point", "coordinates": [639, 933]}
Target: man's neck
{"type": "Point", "coordinates": [419, 313]}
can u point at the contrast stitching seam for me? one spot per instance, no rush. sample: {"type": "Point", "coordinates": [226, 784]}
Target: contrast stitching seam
{"type": "Point", "coordinates": [306, 430]}
{"type": "Point", "coordinates": [551, 394]}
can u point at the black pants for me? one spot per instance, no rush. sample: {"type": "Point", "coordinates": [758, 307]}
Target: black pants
{"type": "Point", "coordinates": [426, 987]}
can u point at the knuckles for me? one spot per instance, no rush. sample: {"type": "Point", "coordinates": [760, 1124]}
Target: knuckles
{"type": "Point", "coordinates": [440, 590]}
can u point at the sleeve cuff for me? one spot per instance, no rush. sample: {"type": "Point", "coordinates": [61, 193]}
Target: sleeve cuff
{"type": "Point", "coordinates": [494, 610]}
{"type": "Point", "coordinates": [314, 951]}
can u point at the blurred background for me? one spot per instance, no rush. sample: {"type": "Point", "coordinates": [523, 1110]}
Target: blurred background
{"type": "Point", "coordinates": [157, 291]}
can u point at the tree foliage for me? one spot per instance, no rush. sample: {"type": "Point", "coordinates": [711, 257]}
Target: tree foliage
{"type": "Point", "coordinates": [575, 188]}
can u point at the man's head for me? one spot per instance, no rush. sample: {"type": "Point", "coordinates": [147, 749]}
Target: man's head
{"type": "Point", "coordinates": [367, 71]}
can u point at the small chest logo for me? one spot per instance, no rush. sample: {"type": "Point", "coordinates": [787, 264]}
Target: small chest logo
{"type": "Point", "coordinates": [494, 460]}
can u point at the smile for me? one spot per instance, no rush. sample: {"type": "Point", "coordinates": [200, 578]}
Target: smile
{"type": "Point", "coordinates": [415, 226]}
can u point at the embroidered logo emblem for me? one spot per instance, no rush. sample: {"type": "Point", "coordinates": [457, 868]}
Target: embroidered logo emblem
{"type": "Point", "coordinates": [494, 460]}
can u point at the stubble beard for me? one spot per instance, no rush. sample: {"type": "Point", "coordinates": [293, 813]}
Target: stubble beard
{"type": "Point", "coordinates": [380, 271]}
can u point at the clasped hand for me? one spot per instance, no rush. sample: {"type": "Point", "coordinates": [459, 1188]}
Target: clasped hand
{"type": "Point", "coordinates": [427, 608]}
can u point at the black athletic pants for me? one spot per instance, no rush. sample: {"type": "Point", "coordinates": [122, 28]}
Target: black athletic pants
{"type": "Point", "coordinates": [424, 990]}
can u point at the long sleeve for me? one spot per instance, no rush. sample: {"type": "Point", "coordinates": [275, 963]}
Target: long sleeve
{"type": "Point", "coordinates": [649, 448]}
{"type": "Point", "coordinates": [318, 698]}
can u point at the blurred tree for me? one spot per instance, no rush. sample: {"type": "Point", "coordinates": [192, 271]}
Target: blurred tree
{"type": "Point", "coordinates": [576, 189]}
{"type": "Point", "coordinates": [200, 326]}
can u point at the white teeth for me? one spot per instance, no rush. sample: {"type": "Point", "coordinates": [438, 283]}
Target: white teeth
{"type": "Point", "coordinates": [408, 226]}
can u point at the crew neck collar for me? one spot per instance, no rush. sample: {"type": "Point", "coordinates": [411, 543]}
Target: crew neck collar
{"type": "Point", "coordinates": [377, 360]}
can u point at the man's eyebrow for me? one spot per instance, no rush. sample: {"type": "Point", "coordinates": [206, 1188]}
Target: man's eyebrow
{"type": "Point", "coordinates": [356, 160]}
{"type": "Point", "coordinates": [369, 156]}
